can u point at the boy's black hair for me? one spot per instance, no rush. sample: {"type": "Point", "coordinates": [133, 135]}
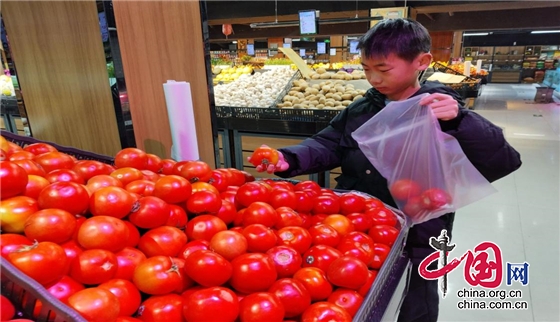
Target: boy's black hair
{"type": "Point", "coordinates": [405, 38]}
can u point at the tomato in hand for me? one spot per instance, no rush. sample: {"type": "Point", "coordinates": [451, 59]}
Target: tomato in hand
{"type": "Point", "coordinates": [127, 294]}
{"type": "Point", "coordinates": [95, 304]}
{"type": "Point", "coordinates": [162, 241]}
{"type": "Point", "coordinates": [259, 238]}
{"type": "Point", "coordinates": [348, 272]}
{"type": "Point", "coordinates": [293, 295]}
{"type": "Point", "coordinates": [103, 232]}
{"type": "Point", "coordinates": [52, 225]}
{"type": "Point", "coordinates": [208, 268]}
{"type": "Point", "coordinates": [217, 304]}
{"type": "Point", "coordinates": [253, 273]}
{"type": "Point", "coordinates": [131, 157]}
{"type": "Point", "coordinates": [15, 211]}
{"type": "Point", "coordinates": [264, 155]}
{"type": "Point", "coordinates": [287, 260]}
{"type": "Point", "coordinates": [151, 212]}
{"type": "Point", "coordinates": [157, 275]}
{"type": "Point", "coordinates": [13, 178]}
{"type": "Point", "coordinates": [347, 299]}
{"type": "Point", "coordinates": [262, 306]}
{"type": "Point", "coordinates": [204, 227]}
{"type": "Point", "coordinates": [68, 196]}
{"type": "Point", "coordinates": [320, 256]}
{"type": "Point", "coordinates": [44, 262]}
{"type": "Point", "coordinates": [405, 189]}
{"type": "Point", "coordinates": [229, 244]}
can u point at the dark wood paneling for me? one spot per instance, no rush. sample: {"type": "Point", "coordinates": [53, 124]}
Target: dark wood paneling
{"type": "Point", "coordinates": [442, 44]}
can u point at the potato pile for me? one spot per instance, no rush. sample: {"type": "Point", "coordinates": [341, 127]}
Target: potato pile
{"type": "Point", "coordinates": [322, 73]}
{"type": "Point", "coordinates": [334, 95]}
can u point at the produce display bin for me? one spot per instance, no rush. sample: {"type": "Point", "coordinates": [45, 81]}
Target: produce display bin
{"type": "Point", "coordinates": [24, 292]}
{"type": "Point", "coordinates": [23, 141]}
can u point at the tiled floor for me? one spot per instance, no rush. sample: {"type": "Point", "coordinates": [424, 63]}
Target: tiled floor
{"type": "Point", "coordinates": [523, 217]}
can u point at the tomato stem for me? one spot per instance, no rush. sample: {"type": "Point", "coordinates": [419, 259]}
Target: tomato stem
{"type": "Point", "coordinates": [135, 206]}
{"type": "Point", "coordinates": [26, 248]}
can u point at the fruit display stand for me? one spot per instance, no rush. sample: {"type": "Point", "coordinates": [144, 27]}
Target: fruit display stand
{"type": "Point", "coordinates": [470, 88]}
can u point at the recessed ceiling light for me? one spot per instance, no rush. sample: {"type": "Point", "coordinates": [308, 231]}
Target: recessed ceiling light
{"type": "Point", "coordinates": [545, 31]}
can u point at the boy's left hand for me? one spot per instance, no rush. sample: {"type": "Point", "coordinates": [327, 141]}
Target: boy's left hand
{"type": "Point", "coordinates": [445, 108]}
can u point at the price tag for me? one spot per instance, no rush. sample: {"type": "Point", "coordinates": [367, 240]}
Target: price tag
{"type": "Point", "coordinates": [251, 49]}
{"type": "Point", "coordinates": [302, 52]}
{"type": "Point", "coordinates": [333, 51]}
{"type": "Point", "coordinates": [321, 48]}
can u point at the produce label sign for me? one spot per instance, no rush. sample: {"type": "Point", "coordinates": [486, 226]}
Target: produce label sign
{"type": "Point", "coordinates": [483, 271]}
{"type": "Point", "coordinates": [388, 13]}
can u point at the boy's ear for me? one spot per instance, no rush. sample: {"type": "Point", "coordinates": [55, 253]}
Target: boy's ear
{"type": "Point", "coordinates": [424, 61]}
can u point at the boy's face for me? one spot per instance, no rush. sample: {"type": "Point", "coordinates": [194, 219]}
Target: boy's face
{"type": "Point", "coordinates": [395, 77]}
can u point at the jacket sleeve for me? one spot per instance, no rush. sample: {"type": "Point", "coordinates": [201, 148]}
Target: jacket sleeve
{"type": "Point", "coordinates": [484, 145]}
{"type": "Point", "coordinates": [317, 153]}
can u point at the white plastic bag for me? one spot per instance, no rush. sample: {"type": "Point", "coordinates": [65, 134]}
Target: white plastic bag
{"type": "Point", "coordinates": [427, 172]}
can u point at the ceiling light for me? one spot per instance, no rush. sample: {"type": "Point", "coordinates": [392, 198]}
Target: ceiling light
{"type": "Point", "coordinates": [477, 34]}
{"type": "Point", "coordinates": [545, 31]}
{"type": "Point", "coordinates": [295, 23]}
{"type": "Point", "coordinates": [234, 42]}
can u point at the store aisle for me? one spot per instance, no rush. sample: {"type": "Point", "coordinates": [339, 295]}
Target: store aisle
{"type": "Point", "coordinates": [522, 218]}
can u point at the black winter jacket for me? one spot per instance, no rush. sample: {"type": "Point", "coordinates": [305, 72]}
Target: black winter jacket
{"type": "Point", "coordinates": [482, 142]}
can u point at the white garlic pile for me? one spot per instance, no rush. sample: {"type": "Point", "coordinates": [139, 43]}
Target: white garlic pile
{"type": "Point", "coordinates": [257, 90]}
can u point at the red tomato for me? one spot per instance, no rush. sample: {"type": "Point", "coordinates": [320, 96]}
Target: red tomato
{"type": "Point", "coordinates": [131, 157]}
{"type": "Point", "coordinates": [208, 268]}
{"type": "Point", "coordinates": [414, 207]}
{"type": "Point", "coordinates": [52, 225]}
{"type": "Point", "coordinates": [44, 262]}
{"type": "Point", "coordinates": [193, 246]}
{"type": "Point", "coordinates": [320, 256]}
{"type": "Point", "coordinates": [13, 178]}
{"type": "Point", "coordinates": [68, 196]}
{"type": "Point", "coordinates": [381, 251]}
{"type": "Point", "coordinates": [260, 213]}
{"type": "Point", "coordinates": [162, 241]}
{"type": "Point", "coordinates": [167, 166]}
{"type": "Point", "coordinates": [12, 242]}
{"type": "Point", "coordinates": [204, 202]}
{"type": "Point", "coordinates": [340, 223]}
{"type": "Point", "coordinates": [252, 192]}
{"type": "Point", "coordinates": [287, 260]}
{"type": "Point", "coordinates": [281, 185]}
{"type": "Point", "coordinates": [259, 238]}
{"type": "Point", "coordinates": [100, 181]}
{"type": "Point", "coordinates": [34, 186]}
{"type": "Point", "coordinates": [306, 220]}
{"type": "Point", "coordinates": [157, 275]}
{"type": "Point", "coordinates": [326, 204]}
{"type": "Point", "coordinates": [72, 250]}
{"type": "Point", "coordinates": [325, 312]}
{"type": "Point", "coordinates": [111, 201]}
{"type": "Point", "coordinates": [204, 227]}
{"type": "Point", "coordinates": [7, 309]}
{"type": "Point", "coordinates": [348, 272]}
{"type": "Point", "coordinates": [253, 273]}
{"type": "Point", "coordinates": [88, 169]}
{"type": "Point", "coordinates": [382, 216]}
{"type": "Point", "coordinates": [351, 203]}
{"type": "Point", "coordinates": [322, 234]}
{"type": "Point", "coordinates": [61, 290]}
{"type": "Point", "coordinates": [39, 148]}
{"type": "Point", "coordinates": [153, 163]}
{"type": "Point", "coordinates": [14, 213]}
{"type": "Point", "coordinates": [296, 237]}
{"type": "Point", "coordinates": [293, 295]}
{"type": "Point", "coordinates": [347, 299]}
{"type": "Point", "coordinates": [229, 195]}
{"type": "Point", "coordinates": [308, 184]}
{"type": "Point", "coordinates": [54, 160]}
{"type": "Point", "coordinates": [31, 167]}
{"type": "Point", "coordinates": [288, 217]}
{"type": "Point", "coordinates": [127, 175]}
{"type": "Point", "coordinates": [141, 187]}
{"type": "Point", "coordinates": [229, 244]}
{"type": "Point", "coordinates": [434, 198]}
{"type": "Point", "coordinates": [358, 245]}
{"type": "Point", "coordinates": [237, 177]}
{"type": "Point", "coordinates": [248, 177]}
{"type": "Point", "coordinates": [304, 202]}
{"type": "Point", "coordinates": [363, 291]}
{"type": "Point", "coordinates": [177, 217]}
{"type": "Point", "coordinates": [219, 180]}
{"type": "Point", "coordinates": [126, 292]}
{"type": "Point", "coordinates": [360, 221]}
{"type": "Point", "coordinates": [127, 319]}
{"type": "Point", "coordinates": [152, 212]}
{"type": "Point", "coordinates": [95, 304]}
{"type": "Point", "coordinates": [193, 171]}
{"type": "Point", "coordinates": [227, 212]}
{"type": "Point", "coordinates": [204, 186]}
{"type": "Point", "coordinates": [150, 175]}
{"type": "Point", "coordinates": [384, 234]}
{"type": "Point", "coordinates": [94, 266]}
{"type": "Point", "coordinates": [217, 304]}
{"type": "Point", "coordinates": [172, 189]}
{"type": "Point", "coordinates": [128, 259]}
{"type": "Point", "coordinates": [20, 155]}
{"type": "Point", "coordinates": [187, 281]}
{"type": "Point", "coordinates": [405, 189]}
{"type": "Point", "coordinates": [315, 281]}
{"type": "Point", "coordinates": [103, 232]}
{"type": "Point", "coordinates": [373, 203]}
{"type": "Point", "coordinates": [317, 219]}
{"type": "Point", "coordinates": [262, 306]}
{"type": "Point", "coordinates": [133, 234]}
{"type": "Point", "coordinates": [161, 308]}
{"type": "Point", "coordinates": [283, 198]}
{"type": "Point", "coordinates": [264, 155]}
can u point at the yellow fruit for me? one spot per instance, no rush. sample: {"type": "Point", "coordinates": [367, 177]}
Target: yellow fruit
{"type": "Point", "coordinates": [4, 144]}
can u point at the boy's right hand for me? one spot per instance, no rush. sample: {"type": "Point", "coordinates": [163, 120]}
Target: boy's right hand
{"type": "Point", "coordinates": [268, 153]}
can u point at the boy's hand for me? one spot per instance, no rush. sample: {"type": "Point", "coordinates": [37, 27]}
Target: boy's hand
{"type": "Point", "coordinates": [445, 108]}
{"type": "Point", "coordinates": [281, 165]}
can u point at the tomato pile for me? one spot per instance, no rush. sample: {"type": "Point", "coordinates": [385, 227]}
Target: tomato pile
{"type": "Point", "coordinates": [157, 240]}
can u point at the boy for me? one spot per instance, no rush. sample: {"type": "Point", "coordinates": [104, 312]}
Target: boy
{"type": "Point", "coordinates": [394, 52]}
